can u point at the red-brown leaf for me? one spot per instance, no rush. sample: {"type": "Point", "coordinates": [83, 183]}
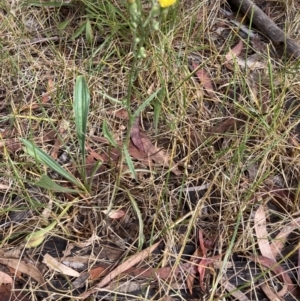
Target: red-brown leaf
{"type": "Point", "coordinates": [135, 135]}
{"type": "Point", "coordinates": [192, 270]}
{"type": "Point", "coordinates": [204, 79]}
{"type": "Point", "coordinates": [121, 113]}
{"type": "Point", "coordinates": [152, 153]}
{"type": "Point", "coordinates": [122, 268]}
{"type": "Point", "coordinates": [99, 271]}
{"type": "Point", "coordinates": [235, 51]}
{"type": "Point", "coordinates": [6, 294]}
{"type": "Point", "coordinates": [12, 145]}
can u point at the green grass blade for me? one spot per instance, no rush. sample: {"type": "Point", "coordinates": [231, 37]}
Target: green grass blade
{"type": "Point", "coordinates": [45, 159]}
{"type": "Point", "coordinates": [129, 161]}
{"type": "Point", "coordinates": [81, 110]}
{"type": "Point", "coordinates": [48, 183]}
{"type": "Point", "coordinates": [140, 218]}
{"type": "Point", "coordinates": [157, 107]}
{"type": "Point", "coordinates": [107, 134]}
{"type": "Point", "coordinates": [78, 31]}
{"type": "Point", "coordinates": [145, 103]}
{"type": "Point", "coordinates": [111, 98]}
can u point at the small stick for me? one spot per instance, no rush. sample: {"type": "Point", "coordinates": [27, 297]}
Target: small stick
{"type": "Point", "coordinates": [267, 26]}
{"type": "Point", "coordinates": [36, 41]}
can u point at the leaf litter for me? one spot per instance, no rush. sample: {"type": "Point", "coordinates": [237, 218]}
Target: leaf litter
{"type": "Point", "coordinates": [202, 164]}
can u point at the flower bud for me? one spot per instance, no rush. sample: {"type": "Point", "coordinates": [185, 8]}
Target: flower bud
{"type": "Point", "coordinates": [142, 53]}
{"type": "Point", "coordinates": [155, 10]}
{"type": "Point", "coordinates": [155, 25]}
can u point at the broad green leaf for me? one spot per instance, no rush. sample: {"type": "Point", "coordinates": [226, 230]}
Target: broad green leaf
{"type": "Point", "coordinates": [140, 218]}
{"type": "Point", "coordinates": [81, 110]}
{"type": "Point", "coordinates": [48, 183]}
{"type": "Point", "coordinates": [129, 161]}
{"type": "Point", "coordinates": [45, 159]}
{"type": "Point", "coordinates": [107, 134]}
{"type": "Point", "coordinates": [89, 32]}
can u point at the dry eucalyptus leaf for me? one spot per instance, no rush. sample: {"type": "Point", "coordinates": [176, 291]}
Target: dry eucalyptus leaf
{"type": "Point", "coordinates": [53, 264]}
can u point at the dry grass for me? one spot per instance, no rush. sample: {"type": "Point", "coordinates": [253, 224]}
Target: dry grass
{"type": "Point", "coordinates": [254, 161]}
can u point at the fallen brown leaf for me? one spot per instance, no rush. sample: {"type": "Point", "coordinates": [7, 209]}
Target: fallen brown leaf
{"type": "Point", "coordinates": [272, 295]}
{"type": "Point", "coordinates": [233, 290]}
{"type": "Point", "coordinates": [121, 113]}
{"type": "Point", "coordinates": [222, 127]}
{"type": "Point", "coordinates": [155, 154]}
{"type": "Point", "coordinates": [145, 273]}
{"type": "Point", "coordinates": [99, 271]}
{"type": "Point", "coordinates": [26, 268]}
{"type": "Point", "coordinates": [232, 56]}
{"type": "Point", "coordinates": [12, 145]}
{"type": "Point", "coordinates": [5, 278]}
{"type": "Point", "coordinates": [57, 266]}
{"type": "Point", "coordinates": [260, 225]}
{"type": "Point", "coordinates": [152, 153]}
{"type": "Point", "coordinates": [122, 268]}
{"type": "Point", "coordinates": [45, 98]}
{"type": "Point", "coordinates": [192, 270]}
{"type": "Point", "coordinates": [277, 269]}
{"type": "Point", "coordinates": [203, 264]}
{"type": "Point", "coordinates": [235, 51]}
{"type": "Point", "coordinates": [153, 273]}
{"type": "Point", "coordinates": [204, 79]}
{"type": "Point", "coordinates": [135, 135]}
{"type": "Point", "coordinates": [7, 294]}
{"type": "Point", "coordinates": [280, 239]}
{"type": "Point", "coordinates": [95, 155]}
{"type": "Point", "coordinates": [114, 214]}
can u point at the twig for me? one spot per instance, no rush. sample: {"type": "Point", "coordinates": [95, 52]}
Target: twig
{"type": "Point", "coordinates": [267, 26]}
{"type": "Point", "coordinates": [35, 41]}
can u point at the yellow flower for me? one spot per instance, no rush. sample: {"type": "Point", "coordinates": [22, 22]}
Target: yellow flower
{"type": "Point", "coordinates": [166, 3]}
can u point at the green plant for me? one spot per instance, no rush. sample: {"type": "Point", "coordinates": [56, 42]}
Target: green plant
{"type": "Point", "coordinates": [81, 111]}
